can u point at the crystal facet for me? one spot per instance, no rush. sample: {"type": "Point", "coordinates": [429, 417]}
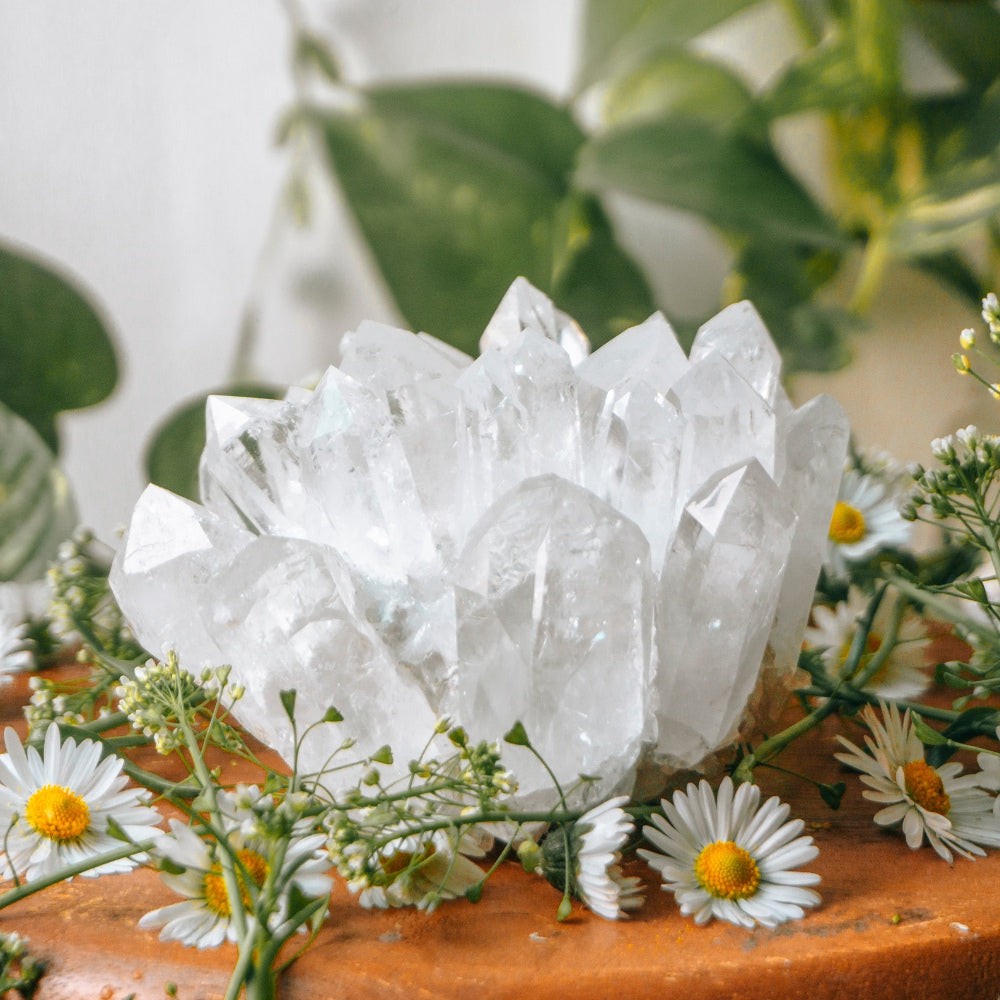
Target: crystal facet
{"type": "Point", "coordinates": [616, 549]}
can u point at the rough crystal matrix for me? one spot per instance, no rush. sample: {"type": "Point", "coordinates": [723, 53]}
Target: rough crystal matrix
{"type": "Point", "coordinates": [618, 549]}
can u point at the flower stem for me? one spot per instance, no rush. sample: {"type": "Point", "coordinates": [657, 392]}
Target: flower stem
{"type": "Point", "coordinates": [115, 854]}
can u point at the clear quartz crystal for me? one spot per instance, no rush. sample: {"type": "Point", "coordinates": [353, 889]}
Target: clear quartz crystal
{"type": "Point", "coordinates": [616, 549]}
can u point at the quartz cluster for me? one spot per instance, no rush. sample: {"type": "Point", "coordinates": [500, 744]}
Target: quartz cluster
{"type": "Point", "coordinates": [616, 548]}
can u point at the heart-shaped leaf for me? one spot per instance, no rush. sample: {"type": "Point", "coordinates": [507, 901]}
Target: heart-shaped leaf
{"type": "Point", "coordinates": [55, 347]}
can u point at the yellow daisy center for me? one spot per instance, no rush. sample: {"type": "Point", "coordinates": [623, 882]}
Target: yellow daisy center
{"type": "Point", "coordinates": [847, 524]}
{"type": "Point", "coordinates": [726, 871]}
{"type": "Point", "coordinates": [214, 887]}
{"type": "Point", "coordinates": [872, 645]}
{"type": "Point", "coordinates": [57, 813]}
{"type": "Point", "coordinates": [925, 787]}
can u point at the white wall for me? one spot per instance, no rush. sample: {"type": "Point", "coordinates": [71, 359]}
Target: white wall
{"type": "Point", "coordinates": [136, 148]}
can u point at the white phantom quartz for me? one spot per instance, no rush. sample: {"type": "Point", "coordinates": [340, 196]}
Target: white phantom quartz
{"type": "Point", "coordinates": [617, 549]}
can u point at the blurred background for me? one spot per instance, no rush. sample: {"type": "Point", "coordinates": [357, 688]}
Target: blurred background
{"type": "Point", "coordinates": [234, 185]}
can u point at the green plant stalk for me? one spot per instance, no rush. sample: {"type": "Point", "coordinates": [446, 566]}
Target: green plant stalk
{"type": "Point", "coordinates": [80, 868]}
{"type": "Point", "coordinates": [208, 788]}
{"type": "Point", "coordinates": [774, 745]}
{"type": "Point", "coordinates": [944, 608]}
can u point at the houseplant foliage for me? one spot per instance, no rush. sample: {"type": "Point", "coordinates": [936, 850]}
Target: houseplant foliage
{"type": "Point", "coordinates": [457, 185]}
{"type": "Point", "coordinates": [56, 350]}
{"type": "Point", "coordinates": [57, 355]}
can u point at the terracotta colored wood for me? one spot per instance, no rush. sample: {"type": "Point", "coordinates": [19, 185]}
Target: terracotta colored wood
{"type": "Point", "coordinates": [893, 924]}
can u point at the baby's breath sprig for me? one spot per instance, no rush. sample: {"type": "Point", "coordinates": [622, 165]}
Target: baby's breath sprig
{"type": "Point", "coordinates": [165, 703]}
{"type": "Point", "coordinates": [83, 614]}
{"type": "Point", "coordinates": [969, 341]}
{"type": "Point", "coordinates": [19, 971]}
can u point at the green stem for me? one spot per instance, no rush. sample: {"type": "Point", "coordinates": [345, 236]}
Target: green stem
{"type": "Point", "coordinates": [116, 854]}
{"type": "Point", "coordinates": [772, 746]}
{"type": "Point", "coordinates": [869, 280]}
{"type": "Point", "coordinates": [243, 972]}
{"type": "Point", "coordinates": [485, 816]}
{"type": "Point", "coordinates": [207, 784]}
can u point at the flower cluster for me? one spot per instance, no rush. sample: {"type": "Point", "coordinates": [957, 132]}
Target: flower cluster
{"type": "Point", "coordinates": [19, 971]}
{"type": "Point", "coordinates": [161, 697]}
{"type": "Point", "coordinates": [968, 342]}
{"type": "Point", "coordinates": [963, 488]}
{"type": "Point", "coordinates": [411, 843]}
{"type": "Point", "coordinates": [81, 606]}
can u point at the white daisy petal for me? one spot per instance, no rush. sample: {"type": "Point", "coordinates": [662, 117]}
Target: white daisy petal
{"type": "Point", "coordinates": [203, 918]}
{"type": "Point", "coordinates": [953, 812]}
{"type": "Point", "coordinates": [743, 877]}
{"type": "Point", "coordinates": [56, 814]}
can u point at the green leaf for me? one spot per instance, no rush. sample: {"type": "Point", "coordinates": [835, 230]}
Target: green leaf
{"type": "Point", "coordinates": [927, 735]}
{"type": "Point", "coordinates": [173, 452]}
{"type": "Point", "coordinates": [288, 702]}
{"type": "Point", "coordinates": [460, 188]}
{"type": "Point", "coordinates": [312, 52]}
{"type": "Point", "coordinates": [55, 347]}
{"type": "Point", "coordinates": [332, 715]}
{"type": "Point", "coordinates": [782, 279]}
{"type": "Point", "coordinates": [728, 179]}
{"type": "Point", "coordinates": [966, 34]}
{"type": "Point", "coordinates": [592, 280]}
{"type": "Point", "coordinates": [833, 794]}
{"type": "Point", "coordinates": [951, 269]}
{"type": "Point", "coordinates": [383, 755]}
{"type": "Point", "coordinates": [824, 78]}
{"type": "Point", "coordinates": [982, 136]}
{"type": "Point", "coordinates": [517, 735]}
{"type": "Point", "coordinates": [36, 507]}
{"type": "Point", "coordinates": [617, 34]}
{"type": "Point", "coordinates": [677, 82]}
{"type": "Point", "coordinates": [947, 210]}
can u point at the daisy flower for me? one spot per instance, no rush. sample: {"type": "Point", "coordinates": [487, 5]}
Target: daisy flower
{"type": "Point", "coordinates": [15, 647]}
{"type": "Point", "coordinates": [950, 809]}
{"type": "Point", "coordinates": [866, 519]}
{"type": "Point", "coordinates": [412, 871]}
{"type": "Point", "coordinates": [204, 918]}
{"type": "Point", "coordinates": [55, 807]}
{"type": "Point", "coordinates": [902, 675]}
{"type": "Point", "coordinates": [727, 856]}
{"type": "Point", "coordinates": [596, 878]}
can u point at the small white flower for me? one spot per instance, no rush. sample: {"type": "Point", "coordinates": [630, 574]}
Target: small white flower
{"type": "Point", "coordinates": [598, 877]}
{"type": "Point", "coordinates": [866, 519]}
{"type": "Point", "coordinates": [727, 856]}
{"type": "Point", "coordinates": [15, 647]}
{"type": "Point", "coordinates": [950, 809]}
{"type": "Point", "coordinates": [904, 673]}
{"type": "Point", "coordinates": [204, 918]}
{"type": "Point", "coordinates": [967, 338]}
{"type": "Point", "coordinates": [55, 807]}
{"type": "Point", "coordinates": [991, 312]}
{"type": "Point", "coordinates": [416, 872]}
